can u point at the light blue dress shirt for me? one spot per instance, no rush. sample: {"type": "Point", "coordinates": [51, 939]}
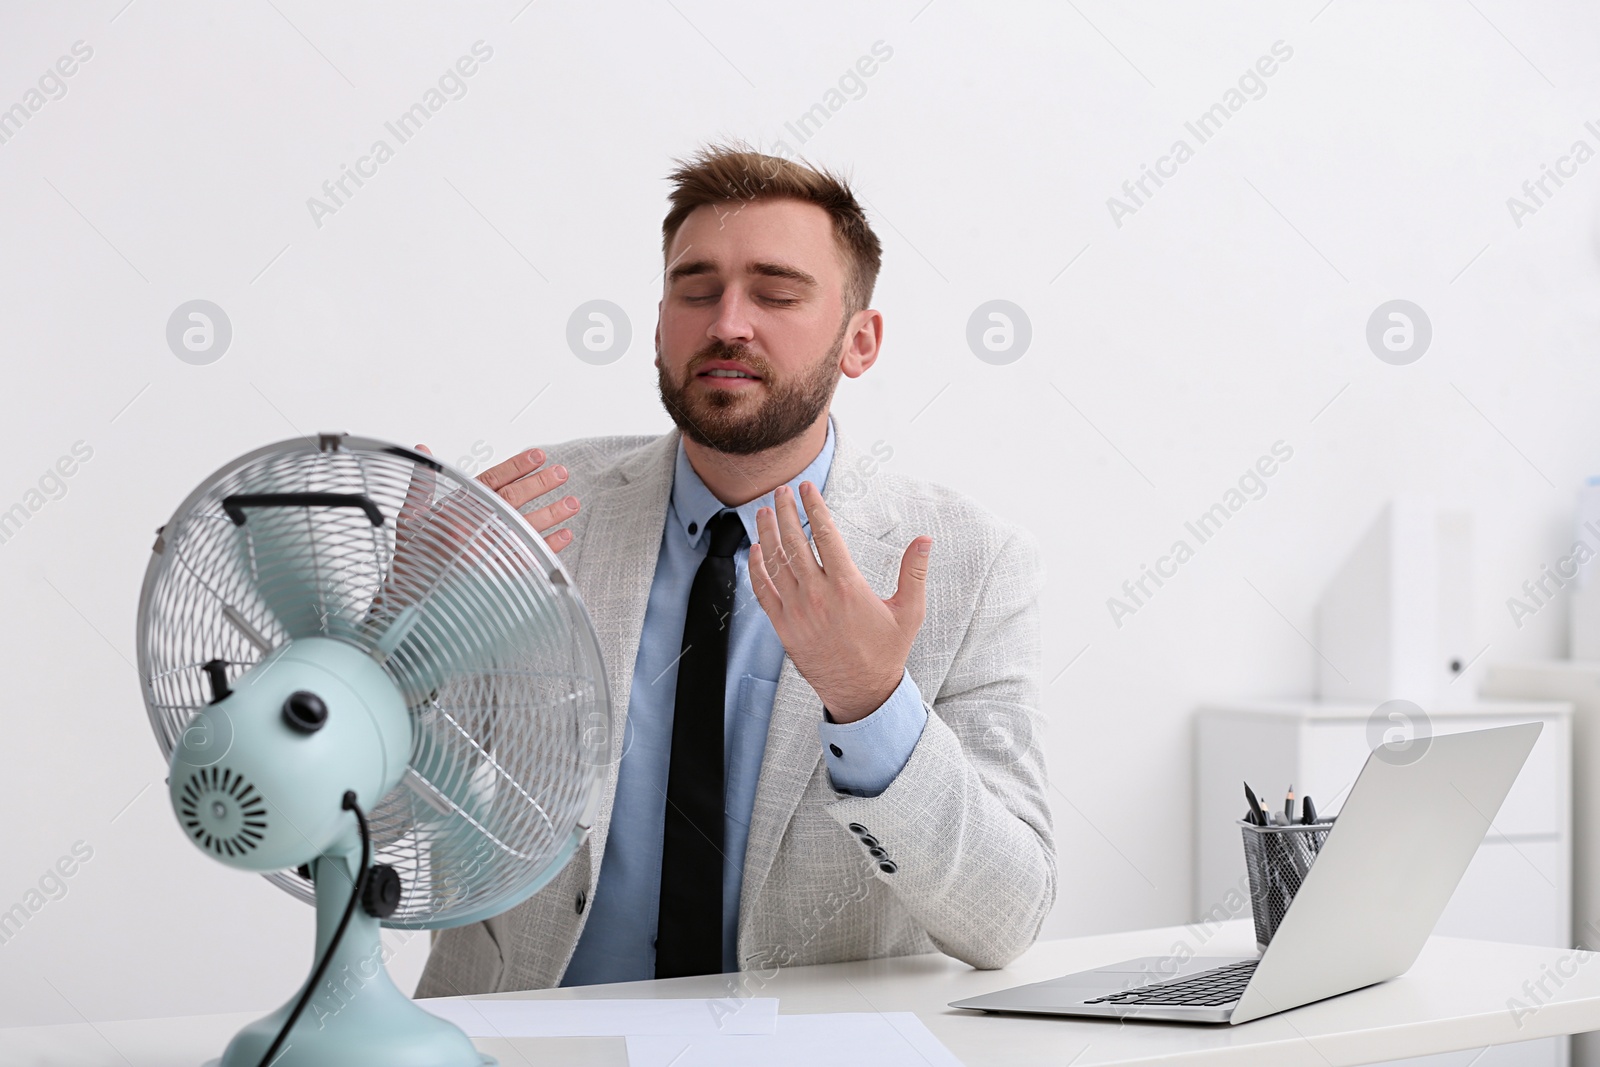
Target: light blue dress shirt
{"type": "Point", "coordinates": [618, 942]}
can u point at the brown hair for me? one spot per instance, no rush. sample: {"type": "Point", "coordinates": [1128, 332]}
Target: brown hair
{"type": "Point", "coordinates": [720, 173]}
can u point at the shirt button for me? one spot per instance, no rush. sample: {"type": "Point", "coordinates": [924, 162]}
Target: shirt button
{"type": "Point", "coordinates": [583, 900]}
{"type": "Point", "coordinates": [836, 750]}
{"type": "Point", "coordinates": [887, 866]}
{"type": "Point", "coordinates": [694, 528]}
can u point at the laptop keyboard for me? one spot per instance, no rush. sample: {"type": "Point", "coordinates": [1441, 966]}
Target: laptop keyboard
{"type": "Point", "coordinates": [1205, 990]}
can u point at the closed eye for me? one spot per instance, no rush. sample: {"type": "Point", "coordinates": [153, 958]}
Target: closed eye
{"type": "Point", "coordinates": [776, 301]}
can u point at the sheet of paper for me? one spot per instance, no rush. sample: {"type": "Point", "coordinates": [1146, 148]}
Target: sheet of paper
{"type": "Point", "coordinates": [883, 1039]}
{"type": "Point", "coordinates": [464, 1013]}
{"type": "Point", "coordinates": [608, 1018]}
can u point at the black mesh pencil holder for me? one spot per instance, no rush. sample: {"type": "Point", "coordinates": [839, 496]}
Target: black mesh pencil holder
{"type": "Point", "coordinates": [1278, 858]}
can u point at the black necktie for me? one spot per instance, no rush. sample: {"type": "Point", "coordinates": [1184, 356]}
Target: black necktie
{"type": "Point", "coordinates": [689, 923]}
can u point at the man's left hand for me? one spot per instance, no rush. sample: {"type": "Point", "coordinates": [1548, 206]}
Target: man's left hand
{"type": "Point", "coordinates": [850, 645]}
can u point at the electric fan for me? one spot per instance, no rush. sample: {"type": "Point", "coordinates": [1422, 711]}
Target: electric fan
{"type": "Point", "coordinates": [375, 685]}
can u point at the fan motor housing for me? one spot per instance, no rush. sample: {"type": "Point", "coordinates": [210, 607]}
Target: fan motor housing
{"type": "Point", "coordinates": [254, 788]}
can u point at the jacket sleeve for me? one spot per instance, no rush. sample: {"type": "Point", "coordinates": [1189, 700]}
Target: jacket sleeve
{"type": "Point", "coordinates": [964, 829]}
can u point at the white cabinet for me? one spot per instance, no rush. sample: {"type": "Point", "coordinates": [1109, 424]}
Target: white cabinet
{"type": "Point", "coordinates": [1578, 682]}
{"type": "Point", "coordinates": [1519, 886]}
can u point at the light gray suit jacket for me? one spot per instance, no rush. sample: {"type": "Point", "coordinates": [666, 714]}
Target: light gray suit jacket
{"type": "Point", "coordinates": [965, 826]}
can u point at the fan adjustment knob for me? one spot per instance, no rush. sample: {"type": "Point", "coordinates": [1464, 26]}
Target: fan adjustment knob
{"type": "Point", "coordinates": [381, 897]}
{"type": "Point", "coordinates": [305, 712]}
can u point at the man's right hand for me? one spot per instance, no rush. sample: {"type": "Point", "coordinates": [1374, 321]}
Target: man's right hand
{"type": "Point", "coordinates": [519, 480]}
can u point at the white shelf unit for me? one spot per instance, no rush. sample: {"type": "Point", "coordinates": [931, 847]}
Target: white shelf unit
{"type": "Point", "coordinates": [1518, 887]}
{"type": "Point", "coordinates": [1577, 681]}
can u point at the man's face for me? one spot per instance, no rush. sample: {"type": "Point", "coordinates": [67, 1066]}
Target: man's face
{"type": "Point", "coordinates": [759, 285]}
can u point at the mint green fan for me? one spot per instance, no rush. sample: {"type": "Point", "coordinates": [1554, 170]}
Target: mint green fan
{"type": "Point", "coordinates": [376, 686]}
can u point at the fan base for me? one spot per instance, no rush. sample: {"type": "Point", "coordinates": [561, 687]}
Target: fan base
{"type": "Point", "coordinates": [358, 1018]}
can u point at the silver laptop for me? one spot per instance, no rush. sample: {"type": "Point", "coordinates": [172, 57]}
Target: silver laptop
{"type": "Point", "coordinates": [1403, 839]}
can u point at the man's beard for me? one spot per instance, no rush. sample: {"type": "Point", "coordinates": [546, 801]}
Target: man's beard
{"type": "Point", "coordinates": [708, 416]}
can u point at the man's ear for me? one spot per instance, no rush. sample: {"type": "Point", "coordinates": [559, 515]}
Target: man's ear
{"type": "Point", "coordinates": [863, 340]}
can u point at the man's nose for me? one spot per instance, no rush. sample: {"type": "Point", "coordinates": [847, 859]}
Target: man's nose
{"type": "Point", "coordinates": [732, 324]}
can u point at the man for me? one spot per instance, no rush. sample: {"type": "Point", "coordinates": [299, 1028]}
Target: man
{"type": "Point", "coordinates": [829, 750]}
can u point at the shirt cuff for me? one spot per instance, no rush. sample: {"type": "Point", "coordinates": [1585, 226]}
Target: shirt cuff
{"type": "Point", "coordinates": [865, 756]}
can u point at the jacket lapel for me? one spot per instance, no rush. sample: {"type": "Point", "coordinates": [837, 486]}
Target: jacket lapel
{"type": "Point", "coordinates": [621, 543]}
{"type": "Point", "coordinates": [793, 750]}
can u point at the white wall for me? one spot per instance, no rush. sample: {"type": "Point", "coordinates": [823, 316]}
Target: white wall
{"type": "Point", "coordinates": [1176, 348]}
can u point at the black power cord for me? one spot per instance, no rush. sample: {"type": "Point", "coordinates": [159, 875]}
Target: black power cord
{"type": "Point", "coordinates": [349, 804]}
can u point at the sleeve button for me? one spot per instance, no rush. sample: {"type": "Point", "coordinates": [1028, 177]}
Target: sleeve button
{"type": "Point", "coordinates": [887, 866]}
{"type": "Point", "coordinates": [582, 901]}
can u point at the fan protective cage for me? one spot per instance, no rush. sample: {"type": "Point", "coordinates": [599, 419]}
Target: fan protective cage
{"type": "Point", "coordinates": [498, 662]}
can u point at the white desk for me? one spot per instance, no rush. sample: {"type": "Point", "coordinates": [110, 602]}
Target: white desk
{"type": "Point", "coordinates": [1455, 997]}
